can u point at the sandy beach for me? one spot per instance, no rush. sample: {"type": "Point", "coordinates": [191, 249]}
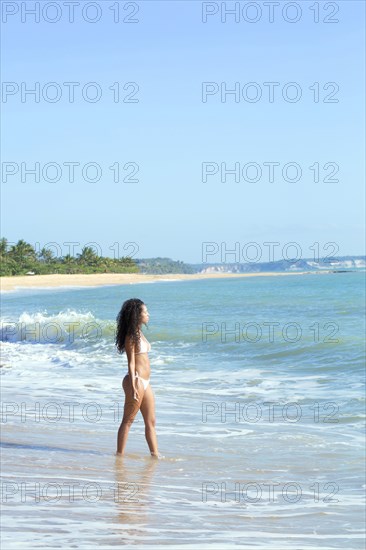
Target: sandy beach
{"type": "Point", "coordinates": [100, 279]}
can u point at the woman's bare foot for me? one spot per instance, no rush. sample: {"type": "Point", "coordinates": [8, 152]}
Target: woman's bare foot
{"type": "Point", "coordinates": [157, 456]}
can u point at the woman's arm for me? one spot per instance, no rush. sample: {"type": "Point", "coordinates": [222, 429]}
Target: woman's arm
{"type": "Point", "coordinates": [130, 352]}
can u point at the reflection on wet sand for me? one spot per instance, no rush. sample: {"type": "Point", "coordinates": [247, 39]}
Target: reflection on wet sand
{"type": "Point", "coordinates": [132, 492]}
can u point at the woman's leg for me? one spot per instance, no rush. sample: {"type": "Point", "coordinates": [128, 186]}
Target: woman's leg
{"type": "Point", "coordinates": [148, 412]}
{"type": "Point", "coordinates": [131, 408]}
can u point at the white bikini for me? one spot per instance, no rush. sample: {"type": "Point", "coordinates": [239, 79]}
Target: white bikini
{"type": "Point", "coordinates": [145, 346]}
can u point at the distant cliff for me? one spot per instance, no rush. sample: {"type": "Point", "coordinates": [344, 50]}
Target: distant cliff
{"type": "Point", "coordinates": [348, 263]}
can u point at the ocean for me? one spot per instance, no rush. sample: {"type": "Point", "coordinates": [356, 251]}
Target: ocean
{"type": "Point", "coordinates": [260, 416]}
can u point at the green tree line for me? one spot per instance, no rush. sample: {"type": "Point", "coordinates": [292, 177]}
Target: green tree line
{"type": "Point", "coordinates": [21, 257]}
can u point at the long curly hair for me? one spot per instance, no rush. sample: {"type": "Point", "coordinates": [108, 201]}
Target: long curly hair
{"type": "Point", "coordinates": [128, 320]}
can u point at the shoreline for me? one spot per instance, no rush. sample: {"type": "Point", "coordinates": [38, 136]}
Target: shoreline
{"type": "Point", "coordinates": [18, 282]}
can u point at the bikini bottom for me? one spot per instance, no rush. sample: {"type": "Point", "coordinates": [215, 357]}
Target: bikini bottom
{"type": "Point", "coordinates": [143, 380]}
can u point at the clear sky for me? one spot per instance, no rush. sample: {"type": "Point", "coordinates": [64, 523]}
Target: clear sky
{"type": "Point", "coordinates": [169, 132]}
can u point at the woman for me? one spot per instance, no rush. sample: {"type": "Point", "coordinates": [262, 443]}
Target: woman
{"type": "Point", "coordinates": [136, 384]}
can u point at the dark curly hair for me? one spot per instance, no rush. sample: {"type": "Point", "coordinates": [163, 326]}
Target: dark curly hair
{"type": "Point", "coordinates": [128, 321]}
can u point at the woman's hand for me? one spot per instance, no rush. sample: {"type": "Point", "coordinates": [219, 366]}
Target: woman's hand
{"type": "Point", "coordinates": [135, 393]}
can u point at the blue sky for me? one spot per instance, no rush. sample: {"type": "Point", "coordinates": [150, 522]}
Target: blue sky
{"type": "Point", "coordinates": [170, 132]}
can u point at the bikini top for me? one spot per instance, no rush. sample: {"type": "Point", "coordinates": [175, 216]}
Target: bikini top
{"type": "Point", "coordinates": [145, 346]}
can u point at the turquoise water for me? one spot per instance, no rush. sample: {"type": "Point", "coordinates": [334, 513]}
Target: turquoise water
{"type": "Point", "coordinates": [259, 389]}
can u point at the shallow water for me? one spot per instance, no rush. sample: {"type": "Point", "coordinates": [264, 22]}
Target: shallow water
{"type": "Point", "coordinates": [259, 388]}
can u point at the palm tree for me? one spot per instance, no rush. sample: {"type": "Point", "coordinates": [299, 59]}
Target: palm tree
{"type": "Point", "coordinates": [23, 252]}
{"type": "Point", "coordinates": [69, 261]}
{"type": "Point", "coordinates": [46, 255]}
{"type": "Point", "coordinates": [3, 246]}
{"type": "Point", "coordinates": [88, 256]}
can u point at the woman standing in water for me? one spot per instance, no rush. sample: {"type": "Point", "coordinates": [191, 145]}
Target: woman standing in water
{"type": "Point", "coordinates": [136, 384]}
